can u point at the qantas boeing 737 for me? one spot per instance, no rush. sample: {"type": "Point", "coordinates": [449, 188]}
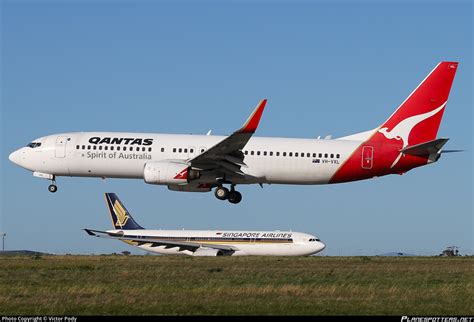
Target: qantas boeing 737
{"type": "Point", "coordinates": [199, 163]}
{"type": "Point", "coordinates": [205, 242]}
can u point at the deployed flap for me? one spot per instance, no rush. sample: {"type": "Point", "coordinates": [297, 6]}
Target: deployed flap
{"type": "Point", "coordinates": [425, 148]}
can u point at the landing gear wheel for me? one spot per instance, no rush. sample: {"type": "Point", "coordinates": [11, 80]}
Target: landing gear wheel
{"type": "Point", "coordinates": [235, 196]}
{"type": "Point", "coordinates": [52, 188]}
{"type": "Point", "coordinates": [221, 193]}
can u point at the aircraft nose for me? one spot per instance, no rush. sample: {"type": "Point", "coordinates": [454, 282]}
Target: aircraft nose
{"type": "Point", "coordinates": [321, 246]}
{"type": "Point", "coordinates": [15, 157]}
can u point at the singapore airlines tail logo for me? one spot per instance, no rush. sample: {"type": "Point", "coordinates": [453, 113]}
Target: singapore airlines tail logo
{"type": "Point", "coordinates": [403, 129]}
{"type": "Point", "coordinates": [121, 214]}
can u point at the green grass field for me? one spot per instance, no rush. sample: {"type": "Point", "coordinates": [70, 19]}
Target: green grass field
{"type": "Point", "coordinates": [159, 285]}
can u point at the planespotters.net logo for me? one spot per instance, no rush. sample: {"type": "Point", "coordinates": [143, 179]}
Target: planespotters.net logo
{"type": "Point", "coordinates": [437, 319]}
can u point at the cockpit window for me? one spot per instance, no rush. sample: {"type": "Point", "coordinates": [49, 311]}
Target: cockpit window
{"type": "Point", "coordinates": [34, 145]}
{"type": "Point", "coordinates": [314, 239]}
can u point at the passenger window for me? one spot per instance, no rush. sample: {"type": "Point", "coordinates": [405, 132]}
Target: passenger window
{"type": "Point", "coordinates": [314, 155]}
{"type": "Point", "coordinates": [174, 150]}
{"type": "Point", "coordinates": [191, 150]}
{"type": "Point", "coordinates": [271, 153]}
{"type": "Point", "coordinates": [77, 147]}
{"type": "Point", "coordinates": [106, 147]}
{"type": "Point", "coordinates": [320, 155]}
{"type": "Point", "coordinates": [338, 156]}
{"type": "Point", "coordinates": [251, 152]}
{"type": "Point", "coordinates": [332, 156]}
{"type": "Point", "coordinates": [162, 149]}
{"type": "Point", "coordinates": [143, 149]}
{"type": "Point", "coordinates": [180, 150]}
{"type": "Point", "coordinates": [118, 148]}
{"type": "Point", "coordinates": [112, 148]}
{"type": "Point", "coordinates": [185, 150]}
{"type": "Point", "coordinates": [100, 147]}
{"type": "Point", "coordinates": [94, 147]}
{"type": "Point", "coordinates": [131, 148]}
{"type": "Point", "coordinates": [149, 149]}
{"type": "Point", "coordinates": [83, 147]}
{"type": "Point", "coordinates": [296, 154]}
{"type": "Point", "coordinates": [290, 154]}
{"type": "Point", "coordinates": [265, 153]}
{"type": "Point", "coordinates": [308, 155]}
{"type": "Point", "coordinates": [258, 152]}
{"type": "Point", "coordinates": [202, 150]}
{"type": "Point", "coordinates": [302, 155]}
{"type": "Point", "coordinates": [284, 154]}
{"type": "Point", "coordinates": [246, 152]}
{"type": "Point", "coordinates": [325, 155]}
{"type": "Point", "coordinates": [278, 154]}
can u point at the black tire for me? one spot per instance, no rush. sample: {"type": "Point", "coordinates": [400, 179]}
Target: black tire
{"type": "Point", "coordinates": [235, 197]}
{"type": "Point", "coordinates": [53, 188]}
{"type": "Point", "coordinates": [221, 193]}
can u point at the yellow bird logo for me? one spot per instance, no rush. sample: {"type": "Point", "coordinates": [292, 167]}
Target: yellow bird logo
{"type": "Point", "coordinates": [121, 214]}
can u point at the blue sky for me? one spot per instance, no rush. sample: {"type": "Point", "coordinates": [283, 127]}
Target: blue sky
{"type": "Point", "coordinates": [185, 67]}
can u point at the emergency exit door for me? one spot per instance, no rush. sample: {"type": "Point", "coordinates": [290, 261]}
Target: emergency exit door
{"type": "Point", "coordinates": [367, 157]}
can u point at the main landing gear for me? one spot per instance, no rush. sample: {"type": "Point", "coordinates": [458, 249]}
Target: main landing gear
{"type": "Point", "coordinates": [53, 187]}
{"type": "Point", "coordinates": [233, 196]}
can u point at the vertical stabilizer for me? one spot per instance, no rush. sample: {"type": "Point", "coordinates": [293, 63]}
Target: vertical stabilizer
{"type": "Point", "coordinates": [121, 218]}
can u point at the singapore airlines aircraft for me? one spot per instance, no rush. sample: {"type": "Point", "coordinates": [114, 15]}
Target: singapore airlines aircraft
{"type": "Point", "coordinates": [205, 242]}
{"type": "Point", "coordinates": [199, 163]}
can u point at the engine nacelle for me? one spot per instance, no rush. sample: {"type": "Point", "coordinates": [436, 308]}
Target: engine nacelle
{"type": "Point", "coordinates": [169, 172]}
{"type": "Point", "coordinates": [204, 251]}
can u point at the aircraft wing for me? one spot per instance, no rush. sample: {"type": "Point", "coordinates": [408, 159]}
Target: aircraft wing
{"type": "Point", "coordinates": [141, 240]}
{"type": "Point", "coordinates": [226, 156]}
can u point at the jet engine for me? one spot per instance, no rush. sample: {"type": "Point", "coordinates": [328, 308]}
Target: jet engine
{"type": "Point", "coordinates": [169, 172]}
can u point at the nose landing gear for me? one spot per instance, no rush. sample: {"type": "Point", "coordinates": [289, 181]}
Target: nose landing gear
{"type": "Point", "coordinates": [53, 187]}
{"type": "Point", "coordinates": [233, 196]}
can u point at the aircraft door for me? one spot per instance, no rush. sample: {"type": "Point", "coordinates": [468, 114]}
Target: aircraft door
{"type": "Point", "coordinates": [367, 157]}
{"type": "Point", "coordinates": [61, 146]}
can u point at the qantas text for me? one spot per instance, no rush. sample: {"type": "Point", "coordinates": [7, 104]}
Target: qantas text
{"type": "Point", "coordinates": [131, 141]}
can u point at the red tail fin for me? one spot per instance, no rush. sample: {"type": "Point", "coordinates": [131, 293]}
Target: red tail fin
{"type": "Point", "coordinates": [418, 118]}
{"type": "Point", "coordinates": [415, 121]}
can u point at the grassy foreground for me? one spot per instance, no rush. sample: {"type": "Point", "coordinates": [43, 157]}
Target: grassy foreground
{"type": "Point", "coordinates": [159, 285]}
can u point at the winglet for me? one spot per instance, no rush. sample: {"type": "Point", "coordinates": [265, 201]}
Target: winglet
{"type": "Point", "coordinates": [251, 124]}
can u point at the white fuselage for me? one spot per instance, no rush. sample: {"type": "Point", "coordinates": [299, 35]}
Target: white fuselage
{"type": "Point", "coordinates": [259, 243]}
{"type": "Point", "coordinates": [268, 160]}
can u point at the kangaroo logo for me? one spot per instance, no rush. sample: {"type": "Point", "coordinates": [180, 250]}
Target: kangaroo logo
{"type": "Point", "coordinates": [182, 175]}
{"type": "Point", "coordinates": [403, 129]}
{"type": "Point", "coordinates": [121, 214]}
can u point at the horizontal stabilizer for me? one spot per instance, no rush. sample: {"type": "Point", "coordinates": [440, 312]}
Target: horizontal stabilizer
{"type": "Point", "coordinates": [452, 151]}
{"type": "Point", "coordinates": [425, 148]}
